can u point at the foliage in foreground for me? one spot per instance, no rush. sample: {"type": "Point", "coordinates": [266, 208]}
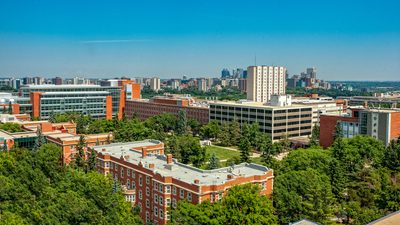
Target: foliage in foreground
{"type": "Point", "coordinates": [36, 189]}
{"type": "Point", "coordinates": [242, 205]}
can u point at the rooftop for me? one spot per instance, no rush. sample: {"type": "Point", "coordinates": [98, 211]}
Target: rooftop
{"type": "Point", "coordinates": [251, 104]}
{"type": "Point", "coordinates": [178, 170]}
{"type": "Point", "coordinates": [53, 86]}
{"type": "Point", "coordinates": [391, 219]}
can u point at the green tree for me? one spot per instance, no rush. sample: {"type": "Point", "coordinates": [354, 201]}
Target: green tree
{"type": "Point", "coordinates": [303, 194]}
{"type": "Point", "coordinates": [92, 160]}
{"type": "Point", "coordinates": [245, 150]}
{"type": "Point", "coordinates": [392, 156]}
{"type": "Point", "coordinates": [314, 140]}
{"type": "Point", "coordinates": [213, 162]}
{"type": "Point", "coordinates": [40, 139]}
{"type": "Point", "coordinates": [210, 131]}
{"type": "Point", "coordinates": [242, 205]}
{"type": "Point", "coordinates": [234, 133]}
{"type": "Point", "coordinates": [80, 159]}
{"type": "Point", "coordinates": [11, 127]}
{"type": "Point", "coordinates": [182, 126]}
{"type": "Point", "coordinates": [52, 117]}
{"type": "Point", "coordinates": [187, 149]}
{"type": "Point", "coordinates": [5, 146]}
{"type": "Point", "coordinates": [338, 132]}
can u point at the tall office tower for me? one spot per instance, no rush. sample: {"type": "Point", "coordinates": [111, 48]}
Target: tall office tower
{"type": "Point", "coordinates": [202, 84]}
{"type": "Point", "coordinates": [265, 81]}
{"type": "Point", "coordinates": [155, 84]}
{"type": "Point", "coordinates": [57, 81]}
{"type": "Point", "coordinates": [225, 73]}
{"type": "Point", "coordinates": [312, 72]}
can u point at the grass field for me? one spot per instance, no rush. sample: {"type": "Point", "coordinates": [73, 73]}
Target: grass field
{"type": "Point", "coordinates": [222, 153]}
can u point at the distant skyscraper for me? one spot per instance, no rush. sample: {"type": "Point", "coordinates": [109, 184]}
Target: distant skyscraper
{"type": "Point", "coordinates": [265, 81]}
{"type": "Point", "coordinates": [155, 84]}
{"type": "Point", "coordinates": [202, 84]}
{"type": "Point", "coordinates": [312, 72]}
{"type": "Point", "coordinates": [225, 73]}
{"type": "Point", "coordinates": [175, 84]}
{"type": "Point", "coordinates": [57, 80]}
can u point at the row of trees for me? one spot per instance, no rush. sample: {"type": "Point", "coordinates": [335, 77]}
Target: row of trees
{"type": "Point", "coordinates": [36, 189]}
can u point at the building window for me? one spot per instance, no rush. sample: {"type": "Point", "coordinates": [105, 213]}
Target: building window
{"type": "Point", "coordinates": [156, 198]}
{"type": "Point", "coordinates": [147, 217]}
{"type": "Point", "coordinates": [140, 180]}
{"type": "Point", "coordinates": [173, 203]}
{"type": "Point", "coordinates": [128, 184]}
{"type": "Point", "coordinates": [161, 200]}
{"type": "Point", "coordinates": [264, 185]}
{"type": "Point", "coordinates": [182, 193]}
{"type": "Point", "coordinates": [161, 188]}
{"type": "Point", "coordinates": [168, 189]}
{"type": "Point", "coordinates": [147, 203]}
{"type": "Point", "coordinates": [155, 211]}
{"type": "Point", "coordinates": [155, 184]}
{"type": "Point", "coordinates": [140, 194]}
{"type": "Point", "coordinates": [140, 206]}
{"type": "Point", "coordinates": [147, 180]}
{"type": "Point", "coordinates": [173, 190]}
{"type": "Point", "coordinates": [168, 202]}
{"type": "Point", "coordinates": [147, 191]}
{"type": "Point", "coordinates": [122, 172]}
{"type": "Point", "coordinates": [189, 196]}
{"type": "Point", "coordinates": [161, 214]}
{"type": "Point", "coordinates": [129, 173]}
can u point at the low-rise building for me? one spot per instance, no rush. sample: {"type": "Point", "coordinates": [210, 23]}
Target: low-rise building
{"type": "Point", "coordinates": [173, 104]}
{"type": "Point", "coordinates": [276, 121]}
{"type": "Point", "coordinates": [156, 182]}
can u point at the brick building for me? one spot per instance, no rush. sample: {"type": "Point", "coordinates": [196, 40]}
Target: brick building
{"type": "Point", "coordinates": [68, 142]}
{"type": "Point", "coordinates": [154, 182]}
{"type": "Point", "coordinates": [173, 104]}
{"type": "Point", "coordinates": [382, 124]}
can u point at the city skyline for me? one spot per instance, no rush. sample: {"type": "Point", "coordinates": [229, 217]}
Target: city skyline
{"type": "Point", "coordinates": [358, 40]}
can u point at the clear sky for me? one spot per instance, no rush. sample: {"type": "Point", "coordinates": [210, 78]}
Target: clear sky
{"type": "Point", "coordinates": [344, 39]}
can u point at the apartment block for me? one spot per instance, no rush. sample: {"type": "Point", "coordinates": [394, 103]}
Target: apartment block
{"type": "Point", "coordinates": [265, 81]}
{"type": "Point", "coordinates": [173, 104]}
{"type": "Point", "coordinates": [155, 182]}
{"type": "Point", "coordinates": [276, 121]}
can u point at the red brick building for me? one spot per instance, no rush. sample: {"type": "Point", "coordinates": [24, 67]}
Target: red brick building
{"type": "Point", "coordinates": [154, 182]}
{"type": "Point", "coordinates": [173, 104]}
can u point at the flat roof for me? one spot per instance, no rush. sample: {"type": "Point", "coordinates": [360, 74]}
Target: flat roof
{"type": "Point", "coordinates": [183, 172]}
{"type": "Point", "coordinates": [74, 92]}
{"type": "Point", "coordinates": [257, 105]}
{"type": "Point", "coordinates": [53, 86]}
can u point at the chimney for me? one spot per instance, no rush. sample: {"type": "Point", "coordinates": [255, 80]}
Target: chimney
{"type": "Point", "coordinates": [196, 181]}
{"type": "Point", "coordinates": [169, 158]}
{"type": "Point", "coordinates": [103, 150]}
{"type": "Point", "coordinates": [151, 165]}
{"type": "Point", "coordinates": [144, 153]}
{"type": "Point", "coordinates": [230, 176]}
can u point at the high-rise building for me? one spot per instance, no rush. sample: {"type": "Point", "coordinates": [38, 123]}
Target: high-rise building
{"type": "Point", "coordinates": [265, 81]}
{"type": "Point", "coordinates": [155, 84]}
{"type": "Point", "coordinates": [202, 84]}
{"type": "Point", "coordinates": [225, 73]}
{"type": "Point", "coordinates": [57, 80]}
{"type": "Point", "coordinates": [312, 72]}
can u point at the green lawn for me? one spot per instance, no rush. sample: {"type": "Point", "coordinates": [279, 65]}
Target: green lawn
{"type": "Point", "coordinates": [222, 153]}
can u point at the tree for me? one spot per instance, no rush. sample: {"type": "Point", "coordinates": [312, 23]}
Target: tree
{"type": "Point", "coordinates": [245, 150]}
{"type": "Point", "coordinates": [186, 149]}
{"type": "Point", "coordinates": [80, 152]}
{"type": "Point", "coordinates": [314, 140]}
{"type": "Point", "coordinates": [241, 205]}
{"type": "Point", "coordinates": [36, 183]}
{"type": "Point", "coordinates": [11, 127]}
{"type": "Point", "coordinates": [392, 156]}
{"type": "Point", "coordinates": [234, 133]}
{"type": "Point", "coordinates": [5, 146]}
{"type": "Point", "coordinates": [264, 145]}
{"type": "Point", "coordinates": [214, 162]}
{"type": "Point", "coordinates": [40, 139]}
{"type": "Point", "coordinates": [52, 117]}
{"type": "Point", "coordinates": [338, 132]}
{"type": "Point", "coordinates": [303, 194]}
{"type": "Point", "coordinates": [182, 126]}
{"type": "Point", "coordinates": [92, 160]}
{"type": "Point", "coordinates": [210, 130]}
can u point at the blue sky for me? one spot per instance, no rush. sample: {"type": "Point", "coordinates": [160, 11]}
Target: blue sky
{"type": "Point", "coordinates": [345, 40]}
